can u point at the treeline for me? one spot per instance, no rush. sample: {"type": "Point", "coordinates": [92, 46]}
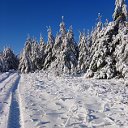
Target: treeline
{"type": "Point", "coordinates": [102, 53]}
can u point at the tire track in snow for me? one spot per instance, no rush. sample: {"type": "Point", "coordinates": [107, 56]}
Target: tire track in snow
{"type": "Point", "coordinates": [14, 114]}
{"type": "Point", "coordinates": [6, 82]}
{"type": "Point", "coordinates": [4, 76]}
{"type": "Point", "coordinates": [6, 86]}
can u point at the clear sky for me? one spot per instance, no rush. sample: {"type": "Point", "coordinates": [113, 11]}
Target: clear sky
{"type": "Point", "coordinates": [20, 17]}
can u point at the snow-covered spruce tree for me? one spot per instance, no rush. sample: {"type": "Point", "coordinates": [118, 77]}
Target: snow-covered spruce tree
{"type": "Point", "coordinates": [89, 38]}
{"type": "Point", "coordinates": [83, 60]}
{"type": "Point", "coordinates": [65, 51]}
{"type": "Point", "coordinates": [63, 31]}
{"type": "Point", "coordinates": [101, 59]}
{"type": "Point", "coordinates": [3, 64]}
{"type": "Point", "coordinates": [70, 52]}
{"type": "Point", "coordinates": [35, 55]}
{"type": "Point", "coordinates": [30, 57]}
{"type": "Point", "coordinates": [25, 63]}
{"type": "Point", "coordinates": [120, 13]}
{"type": "Point", "coordinates": [109, 48]}
{"type": "Point", "coordinates": [121, 39]}
{"type": "Point", "coordinates": [8, 60]}
{"type": "Point", "coordinates": [58, 64]}
{"type": "Point", "coordinates": [121, 51]}
{"type": "Point", "coordinates": [41, 52]}
{"type": "Point", "coordinates": [48, 50]}
{"type": "Point", "coordinates": [59, 39]}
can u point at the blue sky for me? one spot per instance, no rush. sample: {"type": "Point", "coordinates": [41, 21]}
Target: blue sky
{"type": "Point", "coordinates": [20, 17]}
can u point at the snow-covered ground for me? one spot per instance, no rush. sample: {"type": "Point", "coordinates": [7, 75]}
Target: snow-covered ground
{"type": "Point", "coordinates": [56, 102]}
{"type": "Point", "coordinates": [49, 101]}
{"type": "Point", "coordinates": [7, 83]}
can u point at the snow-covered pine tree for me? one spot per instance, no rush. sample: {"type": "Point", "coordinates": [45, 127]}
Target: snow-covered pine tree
{"type": "Point", "coordinates": [49, 49]}
{"type": "Point", "coordinates": [63, 31]}
{"type": "Point", "coordinates": [65, 51]}
{"type": "Point", "coordinates": [120, 13]}
{"type": "Point", "coordinates": [101, 59]}
{"type": "Point", "coordinates": [25, 63]}
{"type": "Point", "coordinates": [41, 54]}
{"type": "Point", "coordinates": [121, 39]}
{"type": "Point", "coordinates": [121, 51]}
{"type": "Point", "coordinates": [8, 60]}
{"type": "Point", "coordinates": [29, 58]}
{"type": "Point", "coordinates": [35, 54]}
{"type": "Point", "coordinates": [42, 44]}
{"type": "Point", "coordinates": [58, 64]}
{"type": "Point", "coordinates": [83, 60]}
{"type": "Point", "coordinates": [109, 50]}
{"type": "Point", "coordinates": [3, 64]}
{"type": "Point", "coordinates": [70, 52]}
{"type": "Point", "coordinates": [89, 38]}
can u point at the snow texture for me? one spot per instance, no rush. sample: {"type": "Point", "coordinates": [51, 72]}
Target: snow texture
{"type": "Point", "coordinates": [50, 101]}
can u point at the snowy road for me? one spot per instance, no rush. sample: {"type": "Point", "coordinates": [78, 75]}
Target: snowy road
{"type": "Point", "coordinates": [8, 82]}
{"type": "Point", "coordinates": [14, 114]}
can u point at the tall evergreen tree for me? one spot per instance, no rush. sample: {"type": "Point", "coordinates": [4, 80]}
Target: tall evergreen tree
{"type": "Point", "coordinates": [41, 48]}
{"type": "Point", "coordinates": [83, 61]}
{"type": "Point", "coordinates": [8, 60]}
{"type": "Point", "coordinates": [65, 51]}
{"type": "Point", "coordinates": [48, 51]}
{"type": "Point", "coordinates": [101, 59]}
{"type": "Point", "coordinates": [120, 12]}
{"type": "Point", "coordinates": [25, 62]}
{"type": "Point", "coordinates": [109, 48]}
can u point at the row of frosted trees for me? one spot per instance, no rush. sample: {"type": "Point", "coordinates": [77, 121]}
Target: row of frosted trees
{"type": "Point", "coordinates": [103, 53]}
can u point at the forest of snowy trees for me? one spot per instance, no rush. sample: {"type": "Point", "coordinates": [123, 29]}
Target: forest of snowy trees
{"type": "Point", "coordinates": [102, 54]}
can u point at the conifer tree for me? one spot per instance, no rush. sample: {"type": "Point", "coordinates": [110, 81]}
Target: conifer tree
{"type": "Point", "coordinates": [102, 62]}
{"type": "Point", "coordinates": [49, 47]}
{"type": "Point", "coordinates": [109, 49]}
{"type": "Point", "coordinates": [25, 62]}
{"type": "Point", "coordinates": [65, 51]}
{"type": "Point", "coordinates": [3, 64]}
{"type": "Point", "coordinates": [83, 61]}
{"type": "Point", "coordinates": [41, 48]}
{"type": "Point", "coordinates": [8, 60]}
{"type": "Point", "coordinates": [120, 12]}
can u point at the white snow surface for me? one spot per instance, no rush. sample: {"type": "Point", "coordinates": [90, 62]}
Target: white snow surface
{"type": "Point", "coordinates": [49, 101]}
{"type": "Point", "coordinates": [7, 82]}
{"type": "Point", "coordinates": [73, 102]}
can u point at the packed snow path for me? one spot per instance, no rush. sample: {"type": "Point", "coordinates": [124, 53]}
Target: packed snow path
{"type": "Point", "coordinates": [4, 76]}
{"type": "Point", "coordinates": [7, 86]}
{"type": "Point", "coordinates": [14, 115]}
{"type": "Point", "coordinates": [72, 102]}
